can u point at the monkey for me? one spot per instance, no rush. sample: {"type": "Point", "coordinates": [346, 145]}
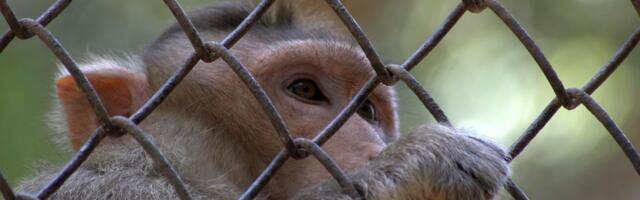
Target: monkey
{"type": "Point", "coordinates": [218, 138]}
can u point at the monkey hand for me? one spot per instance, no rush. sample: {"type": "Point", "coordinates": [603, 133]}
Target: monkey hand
{"type": "Point", "coordinates": [432, 162]}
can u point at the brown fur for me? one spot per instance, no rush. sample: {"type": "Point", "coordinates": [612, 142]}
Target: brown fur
{"type": "Point", "coordinates": [219, 138]}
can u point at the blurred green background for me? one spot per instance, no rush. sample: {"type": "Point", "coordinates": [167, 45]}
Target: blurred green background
{"type": "Point", "coordinates": [483, 78]}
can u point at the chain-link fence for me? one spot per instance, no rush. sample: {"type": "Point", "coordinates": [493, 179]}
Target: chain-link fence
{"type": "Point", "coordinates": [388, 74]}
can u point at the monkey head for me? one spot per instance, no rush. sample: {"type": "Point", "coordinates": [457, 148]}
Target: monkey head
{"type": "Point", "coordinates": [309, 75]}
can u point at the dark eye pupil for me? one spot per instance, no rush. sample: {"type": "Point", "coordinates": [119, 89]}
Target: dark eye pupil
{"type": "Point", "coordinates": [368, 112]}
{"type": "Point", "coordinates": [304, 89]}
{"type": "Point", "coordinates": [307, 89]}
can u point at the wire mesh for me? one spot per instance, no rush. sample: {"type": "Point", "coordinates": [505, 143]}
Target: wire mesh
{"type": "Point", "coordinates": [387, 74]}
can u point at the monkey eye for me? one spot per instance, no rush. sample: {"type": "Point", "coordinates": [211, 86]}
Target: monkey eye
{"type": "Point", "coordinates": [306, 89]}
{"type": "Point", "coordinates": [368, 111]}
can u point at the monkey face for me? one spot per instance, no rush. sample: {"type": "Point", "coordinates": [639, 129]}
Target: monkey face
{"type": "Point", "coordinates": [310, 82]}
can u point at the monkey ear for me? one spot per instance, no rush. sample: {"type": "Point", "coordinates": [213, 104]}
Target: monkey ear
{"type": "Point", "coordinates": [121, 90]}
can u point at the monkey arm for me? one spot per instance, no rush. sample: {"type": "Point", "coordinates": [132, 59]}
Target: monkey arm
{"type": "Point", "coordinates": [432, 162]}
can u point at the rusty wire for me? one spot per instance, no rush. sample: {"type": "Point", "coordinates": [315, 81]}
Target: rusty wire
{"type": "Point", "coordinates": [389, 74]}
{"type": "Point", "coordinates": [323, 157]}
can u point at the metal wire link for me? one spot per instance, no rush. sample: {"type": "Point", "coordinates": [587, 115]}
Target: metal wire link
{"type": "Point", "coordinates": [188, 28]}
{"type": "Point", "coordinates": [71, 66]}
{"type": "Point", "coordinates": [344, 181]}
{"type": "Point", "coordinates": [44, 19]}
{"type": "Point", "coordinates": [12, 21]}
{"type": "Point", "coordinates": [421, 93]}
{"type": "Point", "coordinates": [166, 169]}
{"type": "Point", "coordinates": [595, 82]}
{"type": "Point", "coordinates": [363, 41]}
{"type": "Point", "coordinates": [387, 74]}
{"type": "Point", "coordinates": [533, 49]}
{"type": "Point", "coordinates": [608, 123]}
{"type": "Point", "coordinates": [475, 6]}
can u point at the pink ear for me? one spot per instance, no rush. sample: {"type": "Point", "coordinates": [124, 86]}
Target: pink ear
{"type": "Point", "coordinates": [122, 91]}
